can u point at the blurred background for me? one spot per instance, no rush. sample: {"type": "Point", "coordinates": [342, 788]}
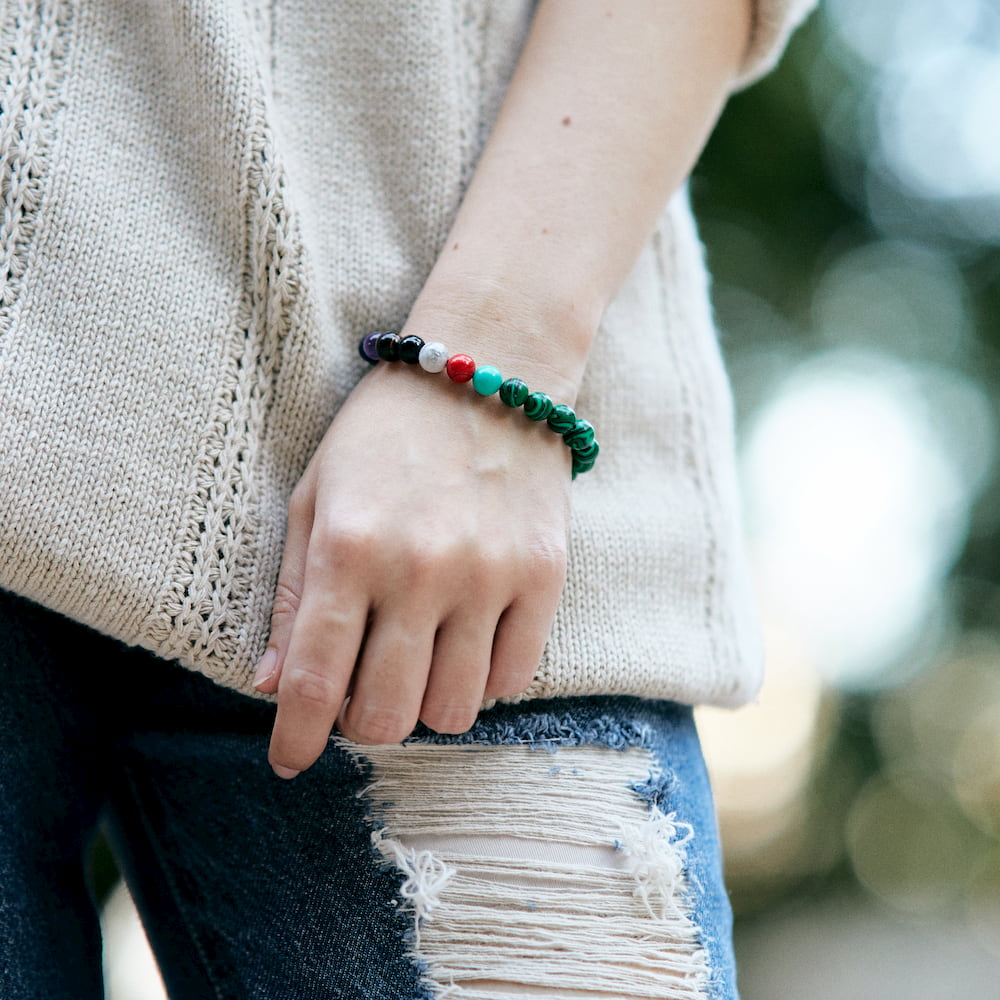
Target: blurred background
{"type": "Point", "coordinates": [850, 206]}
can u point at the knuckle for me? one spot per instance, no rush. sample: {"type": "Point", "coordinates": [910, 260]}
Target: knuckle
{"type": "Point", "coordinates": [482, 572]}
{"type": "Point", "coordinates": [286, 602]}
{"type": "Point", "coordinates": [309, 687]}
{"type": "Point", "coordinates": [422, 570]}
{"type": "Point", "coordinates": [485, 572]}
{"type": "Point", "coordinates": [547, 558]}
{"type": "Point", "coordinates": [326, 620]}
{"type": "Point", "coordinates": [337, 544]}
{"type": "Point", "coordinates": [375, 726]}
{"type": "Point", "coordinates": [541, 565]}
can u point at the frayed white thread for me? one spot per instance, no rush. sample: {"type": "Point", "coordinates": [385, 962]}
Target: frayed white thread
{"type": "Point", "coordinates": [426, 876]}
{"type": "Point", "coordinates": [499, 850]}
{"type": "Point", "coordinates": [657, 851]}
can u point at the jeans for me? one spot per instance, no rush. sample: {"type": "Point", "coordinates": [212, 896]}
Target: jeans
{"type": "Point", "coordinates": [558, 846]}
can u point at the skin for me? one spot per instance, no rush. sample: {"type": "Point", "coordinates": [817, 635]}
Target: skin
{"type": "Point", "coordinates": [421, 572]}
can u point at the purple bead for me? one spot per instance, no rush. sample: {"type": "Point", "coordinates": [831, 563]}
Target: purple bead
{"type": "Point", "coordinates": [368, 351]}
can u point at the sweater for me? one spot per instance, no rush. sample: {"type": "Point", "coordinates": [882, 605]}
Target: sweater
{"type": "Point", "coordinates": [205, 204]}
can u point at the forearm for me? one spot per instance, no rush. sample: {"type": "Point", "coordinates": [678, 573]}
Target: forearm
{"type": "Point", "coordinates": [607, 111]}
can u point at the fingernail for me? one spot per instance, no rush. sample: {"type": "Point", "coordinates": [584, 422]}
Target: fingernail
{"type": "Point", "coordinates": [265, 669]}
{"type": "Point", "coordinates": [284, 772]}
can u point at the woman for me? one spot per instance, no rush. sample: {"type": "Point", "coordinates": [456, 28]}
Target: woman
{"type": "Point", "coordinates": [207, 205]}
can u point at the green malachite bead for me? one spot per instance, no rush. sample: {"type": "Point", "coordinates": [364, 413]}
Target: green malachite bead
{"type": "Point", "coordinates": [514, 392]}
{"type": "Point", "coordinates": [586, 454]}
{"type": "Point", "coordinates": [562, 418]}
{"type": "Point", "coordinates": [537, 406]}
{"type": "Point", "coordinates": [582, 466]}
{"type": "Point", "coordinates": [486, 380]}
{"type": "Point", "coordinates": [580, 435]}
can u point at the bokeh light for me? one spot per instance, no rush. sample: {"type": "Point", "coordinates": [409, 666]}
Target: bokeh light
{"type": "Point", "coordinates": [900, 297]}
{"type": "Point", "coordinates": [763, 759]}
{"type": "Point", "coordinates": [851, 210]}
{"type": "Point", "coordinates": [911, 852]}
{"type": "Point", "coordinates": [858, 506]}
{"type": "Point", "coordinates": [916, 118]}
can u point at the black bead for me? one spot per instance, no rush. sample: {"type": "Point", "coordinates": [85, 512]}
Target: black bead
{"type": "Point", "coordinates": [387, 346]}
{"type": "Point", "coordinates": [409, 349]}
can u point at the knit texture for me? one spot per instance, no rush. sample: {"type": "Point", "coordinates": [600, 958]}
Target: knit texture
{"type": "Point", "coordinates": [201, 215]}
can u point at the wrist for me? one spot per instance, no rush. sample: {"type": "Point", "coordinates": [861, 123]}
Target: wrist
{"type": "Point", "coordinates": [514, 393]}
{"type": "Point", "coordinates": [539, 337]}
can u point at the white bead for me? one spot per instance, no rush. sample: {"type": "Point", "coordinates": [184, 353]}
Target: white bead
{"type": "Point", "coordinates": [433, 357]}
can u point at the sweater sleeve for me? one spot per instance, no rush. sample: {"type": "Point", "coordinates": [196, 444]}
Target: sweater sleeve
{"type": "Point", "coordinates": [773, 22]}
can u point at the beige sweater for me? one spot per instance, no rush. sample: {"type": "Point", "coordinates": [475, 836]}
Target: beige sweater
{"type": "Point", "coordinates": [205, 203]}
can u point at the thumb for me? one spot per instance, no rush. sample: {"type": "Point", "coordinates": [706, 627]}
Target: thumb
{"type": "Point", "coordinates": [287, 598]}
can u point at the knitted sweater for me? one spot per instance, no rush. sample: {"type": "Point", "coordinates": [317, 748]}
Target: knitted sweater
{"type": "Point", "coordinates": [205, 204]}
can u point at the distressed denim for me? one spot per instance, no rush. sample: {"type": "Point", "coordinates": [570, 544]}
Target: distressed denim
{"type": "Point", "coordinates": [362, 877]}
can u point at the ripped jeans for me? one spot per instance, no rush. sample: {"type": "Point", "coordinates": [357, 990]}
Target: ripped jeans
{"type": "Point", "coordinates": [560, 849]}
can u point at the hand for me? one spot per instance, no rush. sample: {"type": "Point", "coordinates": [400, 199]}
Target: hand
{"type": "Point", "coordinates": [424, 560]}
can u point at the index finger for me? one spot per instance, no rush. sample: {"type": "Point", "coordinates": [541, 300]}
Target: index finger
{"type": "Point", "coordinates": [321, 657]}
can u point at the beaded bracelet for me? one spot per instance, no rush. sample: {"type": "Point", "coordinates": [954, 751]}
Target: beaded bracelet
{"type": "Point", "coordinates": [486, 380]}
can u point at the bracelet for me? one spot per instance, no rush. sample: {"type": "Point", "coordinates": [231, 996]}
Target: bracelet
{"type": "Point", "coordinates": [486, 380]}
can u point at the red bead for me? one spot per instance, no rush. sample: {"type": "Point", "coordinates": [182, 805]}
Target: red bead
{"type": "Point", "coordinates": [460, 368]}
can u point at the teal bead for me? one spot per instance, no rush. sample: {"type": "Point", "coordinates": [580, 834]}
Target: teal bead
{"type": "Point", "coordinates": [514, 392]}
{"type": "Point", "coordinates": [537, 406]}
{"type": "Point", "coordinates": [562, 418]}
{"type": "Point", "coordinates": [486, 380]}
{"type": "Point", "coordinates": [586, 454]}
{"type": "Point", "coordinates": [580, 435]}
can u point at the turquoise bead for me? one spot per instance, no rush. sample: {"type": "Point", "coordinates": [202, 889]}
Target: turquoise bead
{"type": "Point", "coordinates": [562, 418]}
{"type": "Point", "coordinates": [580, 435]}
{"type": "Point", "coordinates": [486, 380]}
{"type": "Point", "coordinates": [537, 406]}
{"type": "Point", "coordinates": [587, 454]}
{"type": "Point", "coordinates": [514, 392]}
